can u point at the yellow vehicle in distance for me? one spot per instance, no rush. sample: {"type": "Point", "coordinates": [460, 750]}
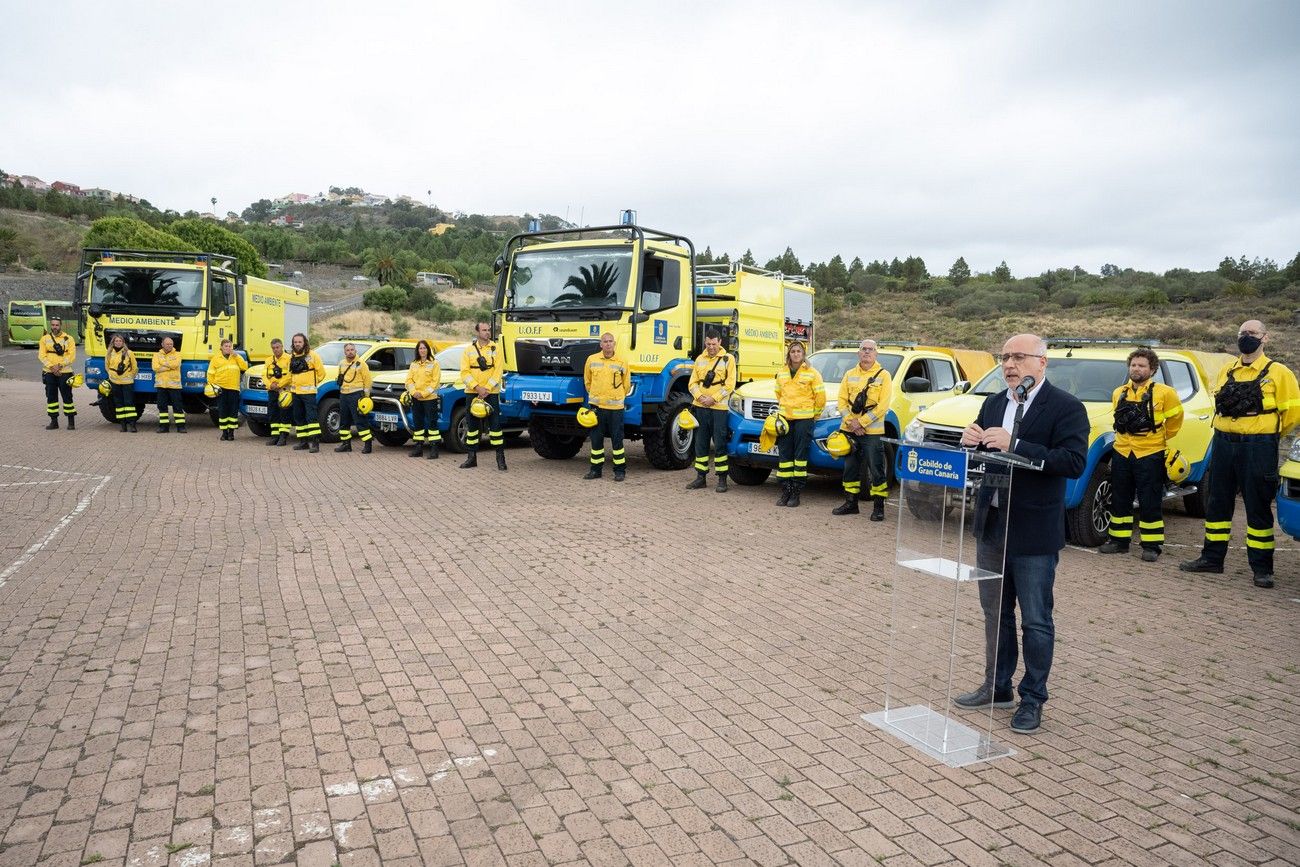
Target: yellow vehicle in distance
{"type": "Point", "coordinates": [26, 321]}
{"type": "Point", "coordinates": [1091, 369]}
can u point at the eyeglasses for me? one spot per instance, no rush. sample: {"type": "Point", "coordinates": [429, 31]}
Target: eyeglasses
{"type": "Point", "coordinates": [1017, 357]}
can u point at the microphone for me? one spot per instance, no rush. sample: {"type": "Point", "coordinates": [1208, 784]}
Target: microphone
{"type": "Point", "coordinates": [1022, 390]}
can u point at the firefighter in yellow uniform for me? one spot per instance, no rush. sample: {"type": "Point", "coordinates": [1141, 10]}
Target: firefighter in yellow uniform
{"type": "Point", "coordinates": [608, 379]}
{"type": "Point", "coordinates": [1147, 415]}
{"type": "Point", "coordinates": [481, 375]}
{"type": "Point", "coordinates": [354, 383]}
{"type": "Point", "coordinates": [713, 379]}
{"type": "Point", "coordinates": [277, 378]}
{"type": "Point", "coordinates": [801, 397]}
{"type": "Point", "coordinates": [57, 351]}
{"type": "Point", "coordinates": [423, 379]}
{"type": "Point", "coordinates": [122, 368]}
{"type": "Point", "coordinates": [863, 401]}
{"type": "Point", "coordinates": [167, 387]}
{"type": "Point", "coordinates": [223, 373]}
{"type": "Point", "coordinates": [305, 373]}
{"type": "Point", "coordinates": [1256, 403]}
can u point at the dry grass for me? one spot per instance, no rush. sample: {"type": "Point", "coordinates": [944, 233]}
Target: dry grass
{"type": "Point", "coordinates": [378, 322]}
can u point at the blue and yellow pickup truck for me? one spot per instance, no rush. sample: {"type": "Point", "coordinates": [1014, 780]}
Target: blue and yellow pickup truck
{"type": "Point", "coordinates": [923, 376]}
{"type": "Point", "coordinates": [1091, 369]}
{"type": "Point", "coordinates": [1288, 492]}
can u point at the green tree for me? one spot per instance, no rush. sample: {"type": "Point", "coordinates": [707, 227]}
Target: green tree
{"type": "Point", "coordinates": [837, 276]}
{"type": "Point", "coordinates": [786, 263]}
{"type": "Point", "coordinates": [128, 233]}
{"type": "Point", "coordinates": [748, 259]}
{"type": "Point", "coordinates": [1002, 274]}
{"type": "Point", "coordinates": [382, 264]}
{"type": "Point", "coordinates": [388, 298]}
{"type": "Point", "coordinates": [959, 273]}
{"type": "Point", "coordinates": [8, 245]}
{"type": "Point", "coordinates": [913, 271]}
{"type": "Point", "coordinates": [209, 237]}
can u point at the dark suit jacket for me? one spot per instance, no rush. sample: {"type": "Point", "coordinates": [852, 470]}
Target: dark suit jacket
{"type": "Point", "coordinates": [1054, 430]}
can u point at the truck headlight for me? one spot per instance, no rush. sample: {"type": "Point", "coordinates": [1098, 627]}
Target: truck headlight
{"type": "Point", "coordinates": [1294, 453]}
{"type": "Point", "coordinates": [736, 404]}
{"type": "Point", "coordinates": [914, 432]}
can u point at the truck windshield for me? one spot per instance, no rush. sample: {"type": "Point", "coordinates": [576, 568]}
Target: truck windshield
{"type": "Point", "coordinates": [561, 279]}
{"type": "Point", "coordinates": [147, 287]}
{"type": "Point", "coordinates": [25, 310]}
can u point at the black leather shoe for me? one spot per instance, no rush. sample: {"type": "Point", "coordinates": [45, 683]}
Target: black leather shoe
{"type": "Point", "coordinates": [314, 448]}
{"type": "Point", "coordinates": [343, 447]}
{"type": "Point", "coordinates": [501, 461]}
{"type": "Point", "coordinates": [848, 507]}
{"type": "Point", "coordinates": [470, 462]}
{"type": "Point", "coordinates": [1149, 556]}
{"type": "Point", "coordinates": [722, 485]}
{"type": "Point", "coordinates": [878, 511]}
{"type": "Point", "coordinates": [366, 449]}
{"type": "Point", "coordinates": [786, 491]}
{"type": "Point", "coordinates": [985, 697]}
{"type": "Point", "coordinates": [592, 473]}
{"type": "Point", "coordinates": [53, 425]}
{"type": "Point", "coordinates": [619, 475]}
{"type": "Point", "coordinates": [1027, 718]}
{"type": "Point", "coordinates": [1113, 548]}
{"type": "Point", "coordinates": [697, 484]}
{"type": "Point", "coordinates": [416, 452]}
{"type": "Point", "coordinates": [793, 502]}
{"type": "Point", "coordinates": [1200, 564]}
{"type": "Point", "coordinates": [301, 446]}
{"type": "Point", "coordinates": [1264, 579]}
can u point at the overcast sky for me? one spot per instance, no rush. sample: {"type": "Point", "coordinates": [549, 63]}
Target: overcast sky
{"type": "Point", "coordinates": [1148, 134]}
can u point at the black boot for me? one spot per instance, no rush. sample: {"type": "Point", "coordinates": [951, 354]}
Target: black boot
{"type": "Point", "coordinates": [302, 445]}
{"type": "Point", "coordinates": [722, 483]}
{"type": "Point", "coordinates": [501, 460]}
{"type": "Point", "coordinates": [54, 423]}
{"type": "Point", "coordinates": [794, 495]}
{"type": "Point", "coordinates": [123, 426]}
{"type": "Point", "coordinates": [180, 428]}
{"type": "Point", "coordinates": [282, 441]}
{"type": "Point", "coordinates": [162, 428]}
{"type": "Point", "coordinates": [700, 481]}
{"type": "Point", "coordinates": [848, 507]}
{"type": "Point", "coordinates": [786, 490]}
{"type": "Point", "coordinates": [315, 444]}
{"type": "Point", "coordinates": [433, 451]}
{"type": "Point", "coordinates": [343, 447]}
{"type": "Point", "coordinates": [72, 423]}
{"type": "Point", "coordinates": [365, 449]}
{"type": "Point", "coordinates": [878, 509]}
{"type": "Point", "coordinates": [470, 462]}
{"type": "Point", "coordinates": [132, 426]}
{"type": "Point", "coordinates": [417, 451]}
{"type": "Point", "coordinates": [593, 472]}
{"type": "Point", "coordinates": [273, 441]}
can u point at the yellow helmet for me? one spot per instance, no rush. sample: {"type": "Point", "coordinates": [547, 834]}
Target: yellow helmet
{"type": "Point", "coordinates": [105, 388]}
{"type": "Point", "coordinates": [777, 424]}
{"type": "Point", "coordinates": [285, 399]}
{"type": "Point", "coordinates": [686, 420]}
{"type": "Point", "coordinates": [1176, 466]}
{"type": "Point", "coordinates": [405, 399]}
{"type": "Point", "coordinates": [838, 444]}
{"type": "Point", "coordinates": [211, 390]}
{"type": "Point", "coordinates": [77, 380]}
{"type": "Point", "coordinates": [586, 417]}
{"type": "Point", "coordinates": [480, 408]}
{"type": "Point", "coordinates": [365, 406]}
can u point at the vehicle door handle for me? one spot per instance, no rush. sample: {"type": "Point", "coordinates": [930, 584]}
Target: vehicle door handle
{"type": "Point", "coordinates": [1202, 417]}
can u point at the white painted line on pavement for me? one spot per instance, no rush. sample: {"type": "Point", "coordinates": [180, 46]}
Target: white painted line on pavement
{"type": "Point", "coordinates": [20, 484]}
{"type": "Point", "coordinates": [35, 549]}
{"type": "Point", "coordinates": [56, 472]}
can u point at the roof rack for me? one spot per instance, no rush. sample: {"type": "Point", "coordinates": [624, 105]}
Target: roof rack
{"type": "Point", "coordinates": [1080, 342]}
{"type": "Point", "coordinates": [92, 255]}
{"type": "Point", "coordinates": [363, 337]}
{"type": "Point", "coordinates": [716, 274]}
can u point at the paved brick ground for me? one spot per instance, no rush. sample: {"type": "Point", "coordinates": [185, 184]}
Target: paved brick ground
{"type": "Point", "coordinates": [248, 656]}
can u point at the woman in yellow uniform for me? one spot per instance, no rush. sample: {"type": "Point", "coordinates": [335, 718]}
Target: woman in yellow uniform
{"type": "Point", "coordinates": [422, 381]}
{"type": "Point", "coordinates": [223, 373]}
{"type": "Point", "coordinates": [305, 373]}
{"type": "Point", "coordinates": [122, 368]}
{"type": "Point", "coordinates": [801, 396]}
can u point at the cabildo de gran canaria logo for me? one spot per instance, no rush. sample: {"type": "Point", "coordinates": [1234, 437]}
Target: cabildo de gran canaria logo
{"type": "Point", "coordinates": [911, 460]}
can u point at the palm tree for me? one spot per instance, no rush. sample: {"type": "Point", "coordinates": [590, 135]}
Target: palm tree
{"type": "Point", "coordinates": [381, 264]}
{"type": "Point", "coordinates": [595, 285]}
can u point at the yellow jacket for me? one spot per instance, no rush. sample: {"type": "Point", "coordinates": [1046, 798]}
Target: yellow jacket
{"type": "Point", "coordinates": [1281, 393]}
{"type": "Point", "coordinates": [724, 378]}
{"type": "Point", "coordinates": [802, 395]}
{"type": "Point", "coordinates": [473, 375]}
{"type": "Point", "coordinates": [1168, 410]}
{"type": "Point", "coordinates": [423, 379]}
{"type": "Point", "coordinates": [880, 391]}
{"type": "Point", "coordinates": [356, 377]}
{"type": "Point", "coordinates": [167, 369]}
{"type": "Point", "coordinates": [274, 382]}
{"type": "Point", "coordinates": [64, 352]}
{"type": "Point", "coordinates": [608, 380]}
{"type": "Point", "coordinates": [306, 382]}
{"type": "Point", "coordinates": [126, 359]}
{"type": "Point", "coordinates": [224, 370]}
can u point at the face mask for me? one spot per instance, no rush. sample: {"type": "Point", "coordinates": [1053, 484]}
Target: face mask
{"type": "Point", "coordinates": [1248, 343]}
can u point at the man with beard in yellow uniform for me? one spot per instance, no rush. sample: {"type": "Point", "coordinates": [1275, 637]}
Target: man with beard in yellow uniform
{"type": "Point", "coordinates": [57, 351]}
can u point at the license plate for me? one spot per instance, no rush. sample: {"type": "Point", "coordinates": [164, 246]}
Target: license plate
{"type": "Point", "coordinates": [144, 377]}
{"type": "Point", "coordinates": [385, 417]}
{"type": "Point", "coordinates": [537, 396]}
{"type": "Point", "coordinates": [254, 409]}
{"type": "Point", "coordinates": [756, 449]}
{"type": "Point", "coordinates": [387, 426]}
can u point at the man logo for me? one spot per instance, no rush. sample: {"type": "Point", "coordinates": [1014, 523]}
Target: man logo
{"type": "Point", "coordinates": [911, 460]}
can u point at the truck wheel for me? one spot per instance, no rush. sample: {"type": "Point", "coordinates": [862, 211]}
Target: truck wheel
{"type": "Point", "coordinates": [1194, 504]}
{"type": "Point", "coordinates": [140, 404]}
{"type": "Point", "coordinates": [259, 428]}
{"type": "Point", "coordinates": [666, 445]}
{"type": "Point", "coordinates": [550, 445]}
{"type": "Point", "coordinates": [749, 476]}
{"type": "Point", "coordinates": [927, 503]}
{"type": "Point", "coordinates": [212, 414]}
{"type": "Point", "coordinates": [108, 409]}
{"type": "Point", "coordinates": [392, 438]}
{"type": "Point", "coordinates": [329, 415]}
{"type": "Point", "coordinates": [459, 429]}
{"type": "Point", "coordinates": [1088, 523]}
{"type": "Point", "coordinates": [891, 456]}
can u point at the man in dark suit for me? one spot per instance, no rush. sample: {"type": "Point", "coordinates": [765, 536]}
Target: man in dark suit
{"type": "Point", "coordinates": [1040, 422]}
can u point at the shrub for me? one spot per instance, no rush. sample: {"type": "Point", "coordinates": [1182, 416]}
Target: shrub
{"type": "Point", "coordinates": [401, 326]}
{"type": "Point", "coordinates": [388, 298]}
{"type": "Point", "coordinates": [421, 297]}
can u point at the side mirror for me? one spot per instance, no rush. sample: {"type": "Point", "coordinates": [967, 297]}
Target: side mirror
{"type": "Point", "coordinates": [962, 386]}
{"type": "Point", "coordinates": [374, 364]}
{"type": "Point", "coordinates": [638, 317]}
{"type": "Point", "coordinates": [498, 265]}
{"type": "Point", "coordinates": [916, 383]}
{"type": "Point", "coordinates": [94, 310]}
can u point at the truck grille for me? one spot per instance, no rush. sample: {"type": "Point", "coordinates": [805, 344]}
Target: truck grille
{"type": "Point", "coordinates": [948, 436]}
{"type": "Point", "coordinates": [143, 341]}
{"type": "Point", "coordinates": [558, 356]}
{"type": "Point", "coordinates": [761, 408]}
{"type": "Point", "coordinates": [256, 383]}
{"type": "Point", "coordinates": [1293, 488]}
